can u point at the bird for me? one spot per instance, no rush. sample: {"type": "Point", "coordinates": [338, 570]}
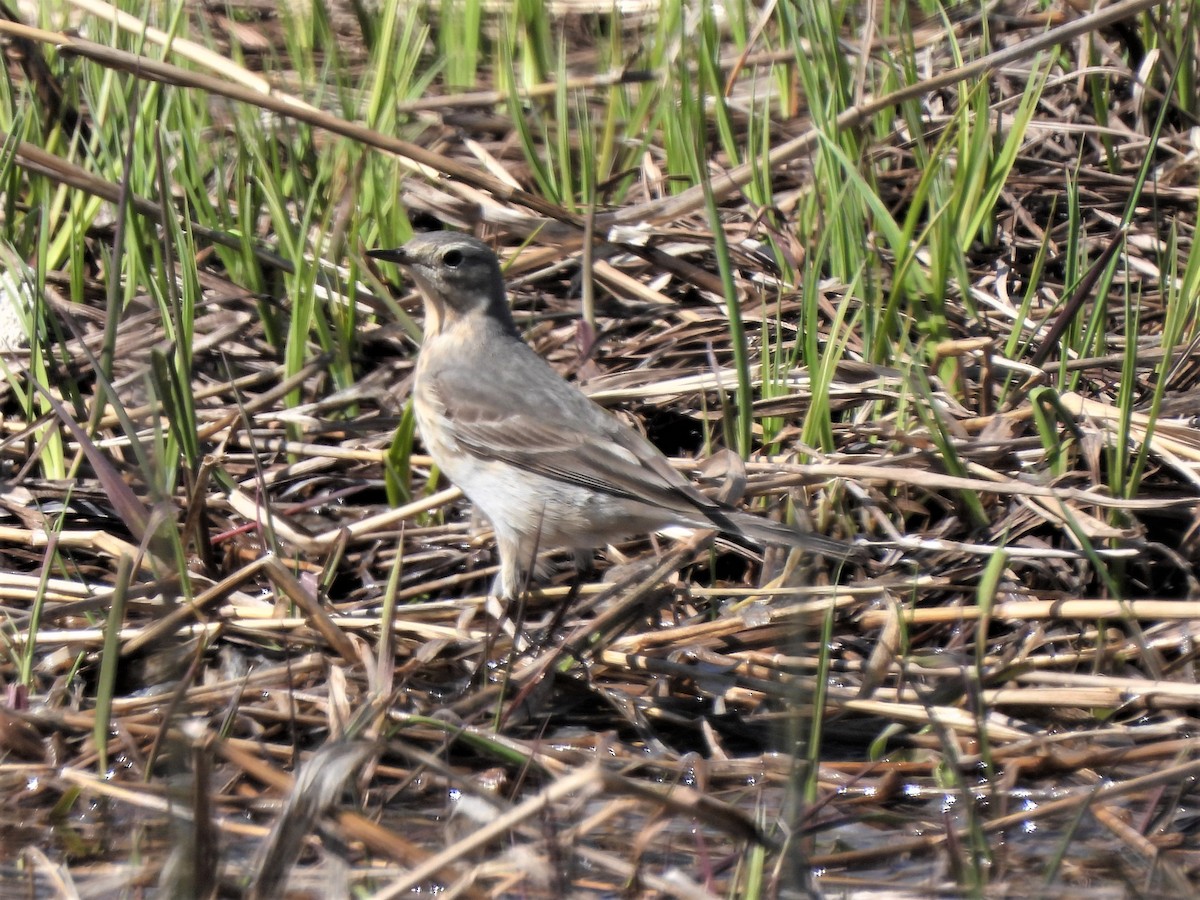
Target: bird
{"type": "Point", "coordinates": [547, 466]}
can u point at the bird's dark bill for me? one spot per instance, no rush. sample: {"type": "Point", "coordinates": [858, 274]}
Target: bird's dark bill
{"type": "Point", "coordinates": [398, 255]}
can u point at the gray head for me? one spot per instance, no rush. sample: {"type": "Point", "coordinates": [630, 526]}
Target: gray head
{"type": "Point", "coordinates": [458, 275]}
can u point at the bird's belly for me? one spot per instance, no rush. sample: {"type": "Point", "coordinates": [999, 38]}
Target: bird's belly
{"type": "Point", "coordinates": [533, 508]}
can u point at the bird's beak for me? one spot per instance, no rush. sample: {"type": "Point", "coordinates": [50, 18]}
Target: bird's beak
{"type": "Point", "coordinates": [399, 256]}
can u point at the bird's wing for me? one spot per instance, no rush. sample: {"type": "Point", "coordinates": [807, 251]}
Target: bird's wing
{"type": "Point", "coordinates": [555, 431]}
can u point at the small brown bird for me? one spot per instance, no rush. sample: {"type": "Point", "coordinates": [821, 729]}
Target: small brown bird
{"type": "Point", "coordinates": [546, 465]}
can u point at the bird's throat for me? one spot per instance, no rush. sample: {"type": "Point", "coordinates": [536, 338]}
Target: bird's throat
{"type": "Point", "coordinates": [435, 316]}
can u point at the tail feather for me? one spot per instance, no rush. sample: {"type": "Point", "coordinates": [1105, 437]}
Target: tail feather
{"type": "Point", "coordinates": [764, 532]}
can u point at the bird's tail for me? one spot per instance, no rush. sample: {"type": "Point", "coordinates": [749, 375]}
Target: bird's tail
{"type": "Point", "coordinates": [760, 532]}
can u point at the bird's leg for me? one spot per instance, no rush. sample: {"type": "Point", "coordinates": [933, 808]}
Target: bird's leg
{"type": "Point", "coordinates": [511, 579]}
{"type": "Point", "coordinates": [585, 568]}
{"type": "Point", "coordinates": [518, 566]}
{"type": "Point", "coordinates": [585, 563]}
{"type": "Point", "coordinates": [499, 588]}
{"type": "Point", "coordinates": [506, 587]}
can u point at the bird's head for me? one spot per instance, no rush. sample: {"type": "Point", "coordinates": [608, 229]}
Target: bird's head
{"type": "Point", "coordinates": [458, 275]}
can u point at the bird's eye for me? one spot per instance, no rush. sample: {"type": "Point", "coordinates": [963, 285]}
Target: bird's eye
{"type": "Point", "coordinates": [452, 258]}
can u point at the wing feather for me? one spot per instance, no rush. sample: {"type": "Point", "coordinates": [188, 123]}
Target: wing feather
{"type": "Point", "coordinates": [576, 442]}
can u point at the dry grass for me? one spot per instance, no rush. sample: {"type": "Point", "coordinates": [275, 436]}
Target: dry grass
{"type": "Point", "coordinates": [271, 672]}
